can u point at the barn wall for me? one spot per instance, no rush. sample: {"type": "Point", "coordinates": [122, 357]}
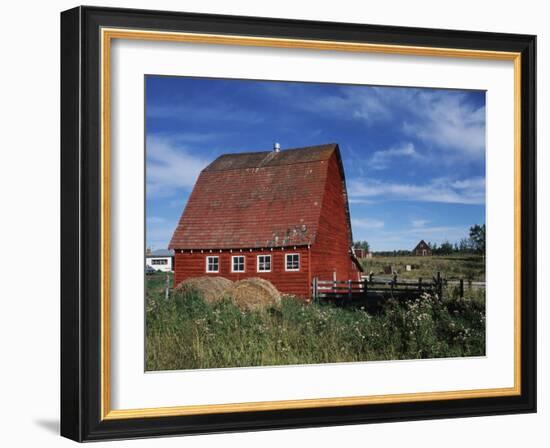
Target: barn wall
{"type": "Point", "coordinates": [189, 265]}
{"type": "Point", "coordinates": [330, 252]}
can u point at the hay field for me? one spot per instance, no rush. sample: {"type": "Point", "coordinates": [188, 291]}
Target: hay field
{"type": "Point", "coordinates": [452, 267]}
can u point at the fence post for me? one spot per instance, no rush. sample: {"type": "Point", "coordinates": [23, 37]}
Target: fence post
{"type": "Point", "coordinates": [461, 287]}
{"type": "Point", "coordinates": [420, 285]}
{"type": "Point", "coordinates": [349, 290]}
{"type": "Point", "coordinates": [439, 285]}
{"type": "Point", "coordinates": [315, 289]}
{"type": "Point", "coordinates": [167, 288]}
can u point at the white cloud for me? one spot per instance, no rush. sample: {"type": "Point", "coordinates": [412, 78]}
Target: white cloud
{"type": "Point", "coordinates": [360, 201]}
{"type": "Point", "coordinates": [438, 233]}
{"type": "Point", "coordinates": [367, 223]}
{"type": "Point", "coordinates": [204, 112]}
{"type": "Point", "coordinates": [159, 231]}
{"type": "Point", "coordinates": [419, 223]}
{"type": "Point", "coordinates": [186, 138]}
{"type": "Point", "coordinates": [467, 191]}
{"type": "Point", "coordinates": [468, 184]}
{"type": "Point", "coordinates": [446, 120]}
{"type": "Point", "coordinates": [367, 103]}
{"type": "Point", "coordinates": [170, 166]}
{"type": "Point", "coordinates": [381, 160]}
{"type": "Point", "coordinates": [441, 118]}
{"type": "Point", "coordinates": [155, 220]}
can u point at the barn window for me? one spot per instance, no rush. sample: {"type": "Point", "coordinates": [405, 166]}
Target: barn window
{"type": "Point", "coordinates": [292, 262]}
{"type": "Point", "coordinates": [212, 264]}
{"type": "Point", "coordinates": [264, 263]}
{"type": "Point", "coordinates": [237, 263]}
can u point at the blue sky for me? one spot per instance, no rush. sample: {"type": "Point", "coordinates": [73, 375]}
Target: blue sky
{"type": "Point", "coordinates": [414, 158]}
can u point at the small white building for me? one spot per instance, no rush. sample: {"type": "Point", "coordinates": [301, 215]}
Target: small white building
{"type": "Point", "coordinates": [160, 260]}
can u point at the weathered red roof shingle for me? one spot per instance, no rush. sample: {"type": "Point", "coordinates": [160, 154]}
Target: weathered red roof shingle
{"type": "Point", "coordinates": [253, 200]}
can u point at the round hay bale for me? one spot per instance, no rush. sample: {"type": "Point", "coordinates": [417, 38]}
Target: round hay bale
{"type": "Point", "coordinates": [254, 294]}
{"type": "Point", "coordinates": [211, 289]}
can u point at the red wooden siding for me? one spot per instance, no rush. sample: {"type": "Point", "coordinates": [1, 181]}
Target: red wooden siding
{"type": "Point", "coordinates": [331, 251]}
{"type": "Point", "coordinates": [189, 264]}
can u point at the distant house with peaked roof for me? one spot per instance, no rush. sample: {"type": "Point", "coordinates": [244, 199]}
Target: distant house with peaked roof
{"type": "Point", "coordinates": [422, 249]}
{"type": "Point", "coordinates": [282, 215]}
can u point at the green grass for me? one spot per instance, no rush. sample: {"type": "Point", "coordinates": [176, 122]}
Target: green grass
{"type": "Point", "coordinates": [184, 332]}
{"type": "Point", "coordinates": [452, 267]}
{"type": "Point", "coordinates": [155, 284]}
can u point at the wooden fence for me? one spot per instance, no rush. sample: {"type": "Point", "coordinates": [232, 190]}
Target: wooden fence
{"type": "Point", "coordinates": [463, 284]}
{"type": "Point", "coordinates": [374, 288]}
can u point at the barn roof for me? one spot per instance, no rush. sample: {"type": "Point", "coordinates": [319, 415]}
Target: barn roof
{"type": "Point", "coordinates": [257, 199]}
{"type": "Point", "coordinates": [271, 158]}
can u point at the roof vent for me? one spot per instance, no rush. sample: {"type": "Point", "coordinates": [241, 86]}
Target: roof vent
{"type": "Point", "coordinates": [277, 147]}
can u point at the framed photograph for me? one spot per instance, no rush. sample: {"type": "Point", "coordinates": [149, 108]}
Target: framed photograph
{"type": "Point", "coordinates": [273, 223]}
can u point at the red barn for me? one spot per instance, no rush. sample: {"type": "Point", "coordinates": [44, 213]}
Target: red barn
{"type": "Point", "coordinates": [279, 215]}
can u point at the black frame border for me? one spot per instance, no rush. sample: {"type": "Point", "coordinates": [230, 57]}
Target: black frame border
{"type": "Point", "coordinates": [80, 223]}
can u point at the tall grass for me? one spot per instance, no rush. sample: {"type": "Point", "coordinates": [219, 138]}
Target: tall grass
{"type": "Point", "coordinates": [184, 332]}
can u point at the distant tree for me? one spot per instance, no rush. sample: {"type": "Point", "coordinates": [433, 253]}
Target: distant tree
{"type": "Point", "coordinates": [392, 253]}
{"type": "Point", "coordinates": [362, 245]}
{"type": "Point", "coordinates": [464, 245]}
{"type": "Point", "coordinates": [446, 248]}
{"type": "Point", "coordinates": [477, 238]}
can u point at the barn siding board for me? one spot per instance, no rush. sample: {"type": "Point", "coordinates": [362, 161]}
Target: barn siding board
{"type": "Point", "coordinates": [331, 251]}
{"type": "Point", "coordinates": [297, 283]}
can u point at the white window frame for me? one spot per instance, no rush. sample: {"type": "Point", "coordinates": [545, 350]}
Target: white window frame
{"type": "Point", "coordinates": [286, 262]}
{"type": "Point", "coordinates": [207, 264]}
{"type": "Point", "coordinates": [159, 261]}
{"type": "Point", "coordinates": [233, 263]}
{"type": "Point", "coordinates": [258, 263]}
